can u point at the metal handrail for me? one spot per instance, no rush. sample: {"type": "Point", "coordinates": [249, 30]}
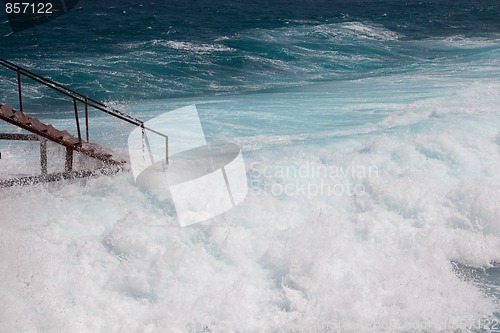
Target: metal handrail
{"type": "Point", "coordinates": [76, 97]}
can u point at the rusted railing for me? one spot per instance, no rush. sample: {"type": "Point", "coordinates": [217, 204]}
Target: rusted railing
{"type": "Point", "coordinates": [76, 97]}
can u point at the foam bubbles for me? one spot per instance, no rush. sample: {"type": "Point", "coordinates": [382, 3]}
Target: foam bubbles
{"type": "Point", "coordinates": [102, 256]}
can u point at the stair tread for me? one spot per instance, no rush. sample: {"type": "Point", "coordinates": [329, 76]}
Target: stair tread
{"type": "Point", "coordinates": [7, 111]}
{"type": "Point", "coordinates": [22, 118]}
{"type": "Point", "coordinates": [68, 138]}
{"type": "Point", "coordinates": [53, 132]}
{"type": "Point", "coordinates": [38, 125]}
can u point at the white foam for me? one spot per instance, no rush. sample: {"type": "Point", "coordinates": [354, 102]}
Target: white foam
{"type": "Point", "coordinates": [188, 46]}
{"type": "Point", "coordinates": [104, 257]}
{"type": "Point", "coordinates": [370, 31]}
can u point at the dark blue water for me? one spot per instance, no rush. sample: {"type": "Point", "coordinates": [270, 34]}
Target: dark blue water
{"type": "Point", "coordinates": [161, 49]}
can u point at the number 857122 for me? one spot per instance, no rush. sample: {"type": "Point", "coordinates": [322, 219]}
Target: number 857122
{"type": "Point", "coordinates": [28, 8]}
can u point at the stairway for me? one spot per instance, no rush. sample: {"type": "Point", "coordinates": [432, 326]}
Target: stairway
{"type": "Point", "coordinates": [46, 132]}
{"type": "Point", "coordinates": [64, 138]}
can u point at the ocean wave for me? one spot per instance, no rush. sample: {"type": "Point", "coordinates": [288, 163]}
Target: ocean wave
{"type": "Point", "coordinates": [188, 46]}
{"type": "Point", "coordinates": [264, 58]}
{"type": "Point", "coordinates": [294, 262]}
{"type": "Point", "coordinates": [372, 154]}
{"type": "Point", "coordinates": [379, 214]}
{"type": "Point", "coordinates": [353, 30]}
{"type": "Point", "coordinates": [334, 31]}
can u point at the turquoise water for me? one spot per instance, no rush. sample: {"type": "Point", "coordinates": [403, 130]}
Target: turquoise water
{"type": "Point", "coordinates": [381, 118]}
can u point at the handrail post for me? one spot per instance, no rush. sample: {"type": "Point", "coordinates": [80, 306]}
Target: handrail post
{"type": "Point", "coordinates": [87, 119]}
{"type": "Point", "coordinates": [166, 150]}
{"type": "Point", "coordinates": [19, 90]}
{"type": "Point", "coordinates": [43, 155]}
{"type": "Point", "coordinates": [77, 121]}
{"type": "Point", "coordinates": [143, 137]}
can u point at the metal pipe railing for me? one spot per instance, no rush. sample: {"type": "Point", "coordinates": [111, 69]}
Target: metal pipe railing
{"type": "Point", "coordinates": [77, 118]}
{"type": "Point", "coordinates": [69, 92]}
{"type": "Point", "coordinates": [86, 120]}
{"type": "Point", "coordinates": [19, 90]}
{"type": "Point", "coordinates": [76, 97]}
